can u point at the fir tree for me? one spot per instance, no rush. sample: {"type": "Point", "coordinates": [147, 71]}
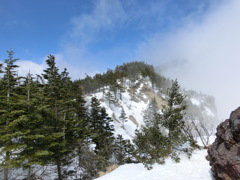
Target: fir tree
{"type": "Point", "coordinates": [123, 150]}
{"type": "Point", "coordinates": [150, 112]}
{"type": "Point", "coordinates": [101, 129]}
{"type": "Point", "coordinates": [172, 121]}
{"type": "Point", "coordinates": [110, 98]}
{"type": "Point", "coordinates": [64, 123]}
{"type": "Point", "coordinates": [172, 115]}
{"type": "Point", "coordinates": [55, 120]}
{"type": "Point", "coordinates": [153, 143]}
{"type": "Point", "coordinates": [152, 146]}
{"type": "Point", "coordinates": [9, 111]}
{"type": "Point", "coordinates": [123, 117]}
{"type": "Point", "coordinates": [36, 110]}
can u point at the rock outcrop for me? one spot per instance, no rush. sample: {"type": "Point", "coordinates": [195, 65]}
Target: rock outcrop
{"type": "Point", "coordinates": [224, 153]}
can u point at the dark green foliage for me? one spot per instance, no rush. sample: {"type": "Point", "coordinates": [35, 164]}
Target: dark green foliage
{"type": "Point", "coordinates": [11, 118]}
{"type": "Point", "coordinates": [172, 115]}
{"type": "Point", "coordinates": [114, 78]}
{"type": "Point", "coordinates": [64, 123]}
{"type": "Point", "coordinates": [35, 110]}
{"type": "Point", "coordinates": [101, 129]}
{"type": "Point", "coordinates": [123, 151]}
{"type": "Point", "coordinates": [151, 146]}
{"type": "Point", "coordinates": [40, 122]}
{"type": "Point", "coordinates": [123, 117]}
{"type": "Point", "coordinates": [164, 135]}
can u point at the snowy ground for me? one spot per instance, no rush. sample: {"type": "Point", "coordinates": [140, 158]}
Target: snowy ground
{"type": "Point", "coordinates": [196, 168]}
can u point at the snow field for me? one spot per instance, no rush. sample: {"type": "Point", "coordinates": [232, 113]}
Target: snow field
{"type": "Point", "coordinates": [195, 168]}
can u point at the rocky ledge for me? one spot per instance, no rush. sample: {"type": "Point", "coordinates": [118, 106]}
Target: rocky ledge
{"type": "Point", "coordinates": [224, 153]}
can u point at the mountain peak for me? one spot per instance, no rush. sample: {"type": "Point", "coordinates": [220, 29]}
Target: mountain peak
{"type": "Point", "coordinates": [131, 88]}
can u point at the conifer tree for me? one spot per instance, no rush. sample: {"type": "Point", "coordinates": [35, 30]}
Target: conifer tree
{"type": "Point", "coordinates": [54, 122]}
{"type": "Point", "coordinates": [172, 115]}
{"type": "Point", "coordinates": [9, 112]}
{"type": "Point", "coordinates": [101, 129]}
{"type": "Point", "coordinates": [80, 111]}
{"type": "Point", "coordinates": [123, 117]}
{"type": "Point", "coordinates": [150, 112]}
{"type": "Point", "coordinates": [172, 121]}
{"type": "Point", "coordinates": [63, 124]}
{"type": "Point", "coordinates": [110, 98]}
{"type": "Point", "coordinates": [35, 108]}
{"type": "Point", "coordinates": [123, 150]}
{"type": "Point", "coordinates": [153, 144]}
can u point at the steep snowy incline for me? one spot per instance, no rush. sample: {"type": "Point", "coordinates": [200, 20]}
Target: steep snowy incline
{"type": "Point", "coordinates": [135, 99]}
{"type": "Point", "coordinates": [196, 168]}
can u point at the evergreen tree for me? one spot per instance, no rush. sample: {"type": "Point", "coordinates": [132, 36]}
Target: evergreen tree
{"type": "Point", "coordinates": [55, 121]}
{"type": "Point", "coordinates": [9, 112]}
{"type": "Point", "coordinates": [80, 111]}
{"type": "Point", "coordinates": [64, 123]}
{"type": "Point", "coordinates": [110, 98]}
{"type": "Point", "coordinates": [172, 121]}
{"type": "Point", "coordinates": [123, 150]}
{"type": "Point", "coordinates": [150, 112]}
{"type": "Point", "coordinates": [172, 115]}
{"type": "Point", "coordinates": [123, 117]}
{"type": "Point", "coordinates": [36, 110]}
{"type": "Point", "coordinates": [101, 129]}
{"type": "Point", "coordinates": [153, 144]}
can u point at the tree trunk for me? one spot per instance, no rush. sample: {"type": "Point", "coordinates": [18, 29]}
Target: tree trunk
{"type": "Point", "coordinates": [64, 119]}
{"type": "Point", "coordinates": [5, 173]}
{"type": "Point", "coordinates": [59, 170]}
{"type": "Point", "coordinates": [6, 169]}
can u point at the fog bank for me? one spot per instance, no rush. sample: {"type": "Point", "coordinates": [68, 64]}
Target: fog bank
{"type": "Point", "coordinates": [203, 55]}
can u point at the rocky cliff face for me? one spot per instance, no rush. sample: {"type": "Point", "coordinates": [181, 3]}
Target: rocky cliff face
{"type": "Point", "coordinates": [224, 154]}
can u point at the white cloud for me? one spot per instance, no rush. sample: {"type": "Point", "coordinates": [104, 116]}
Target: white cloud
{"type": "Point", "coordinates": [26, 66]}
{"type": "Point", "coordinates": [105, 15]}
{"type": "Point", "coordinates": [75, 71]}
{"type": "Point", "coordinates": [210, 52]}
{"type": "Point", "coordinates": [29, 67]}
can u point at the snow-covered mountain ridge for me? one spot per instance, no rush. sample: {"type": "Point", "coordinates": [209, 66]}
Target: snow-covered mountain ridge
{"type": "Point", "coordinates": [129, 105]}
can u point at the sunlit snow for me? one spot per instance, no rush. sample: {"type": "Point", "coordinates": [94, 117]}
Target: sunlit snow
{"type": "Point", "coordinates": [196, 168]}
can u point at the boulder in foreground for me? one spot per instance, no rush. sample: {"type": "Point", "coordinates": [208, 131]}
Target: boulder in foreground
{"type": "Point", "coordinates": [224, 153]}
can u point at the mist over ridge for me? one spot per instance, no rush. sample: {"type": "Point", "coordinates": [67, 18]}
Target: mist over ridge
{"type": "Point", "coordinates": [203, 56]}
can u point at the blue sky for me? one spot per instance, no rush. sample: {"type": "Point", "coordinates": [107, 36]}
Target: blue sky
{"type": "Point", "coordinates": [95, 33]}
{"type": "Point", "coordinates": [195, 41]}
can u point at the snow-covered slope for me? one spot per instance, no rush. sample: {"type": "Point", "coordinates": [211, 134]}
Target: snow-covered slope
{"type": "Point", "coordinates": [196, 168]}
{"type": "Point", "coordinates": [135, 98]}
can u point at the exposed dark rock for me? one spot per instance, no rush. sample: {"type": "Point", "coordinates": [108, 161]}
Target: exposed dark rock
{"type": "Point", "coordinates": [224, 153]}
